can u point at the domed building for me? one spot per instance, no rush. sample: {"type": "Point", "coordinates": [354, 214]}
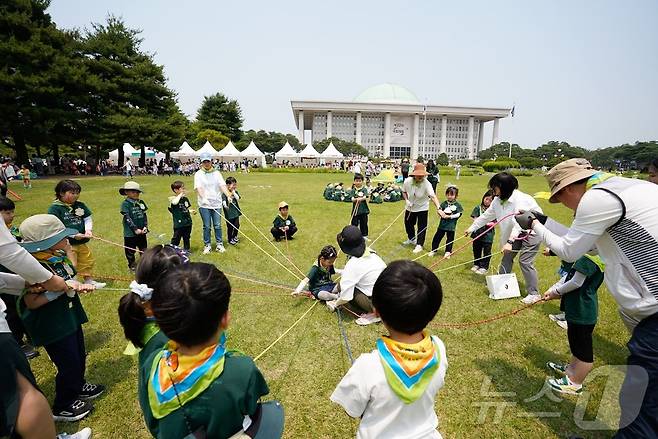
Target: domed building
{"type": "Point", "coordinates": [390, 121]}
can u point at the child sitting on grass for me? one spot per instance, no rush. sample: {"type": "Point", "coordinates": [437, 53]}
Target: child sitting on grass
{"type": "Point", "coordinates": [284, 226]}
{"type": "Point", "coordinates": [318, 278]}
{"type": "Point", "coordinates": [232, 210]}
{"type": "Point", "coordinates": [54, 320]}
{"type": "Point", "coordinates": [135, 221]}
{"type": "Point", "coordinates": [450, 211]}
{"type": "Point", "coordinates": [392, 388]}
{"type": "Point", "coordinates": [195, 387]}
{"type": "Point", "coordinates": [179, 206]}
{"type": "Point", "coordinates": [579, 301]}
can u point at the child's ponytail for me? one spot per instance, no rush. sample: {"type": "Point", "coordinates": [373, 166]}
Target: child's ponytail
{"type": "Point", "coordinates": [132, 318]}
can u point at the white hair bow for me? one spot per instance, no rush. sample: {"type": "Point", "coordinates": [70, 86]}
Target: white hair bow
{"type": "Point", "coordinates": [142, 290]}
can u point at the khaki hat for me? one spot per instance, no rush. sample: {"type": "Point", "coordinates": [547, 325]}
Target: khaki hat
{"type": "Point", "coordinates": [130, 186]}
{"type": "Point", "coordinates": [567, 172]}
{"type": "Point", "coordinates": [40, 232]}
{"type": "Point", "coordinates": [419, 170]}
{"type": "Point", "coordinates": [282, 205]}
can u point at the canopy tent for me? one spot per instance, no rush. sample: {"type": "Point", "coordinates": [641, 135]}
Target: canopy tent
{"type": "Point", "coordinates": [229, 151]}
{"type": "Point", "coordinates": [184, 152]}
{"type": "Point", "coordinates": [149, 153]}
{"type": "Point", "coordinates": [286, 153]}
{"type": "Point", "coordinates": [252, 152]}
{"type": "Point", "coordinates": [331, 152]}
{"type": "Point", "coordinates": [386, 176]}
{"type": "Point", "coordinates": [127, 153]}
{"type": "Point", "coordinates": [207, 148]}
{"type": "Point", "coordinates": [309, 152]}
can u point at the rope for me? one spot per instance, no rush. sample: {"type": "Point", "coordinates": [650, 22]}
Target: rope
{"type": "Point", "coordinates": [389, 226]}
{"type": "Point", "coordinates": [107, 241]}
{"type": "Point", "coordinates": [344, 335]}
{"type": "Point", "coordinates": [487, 320]}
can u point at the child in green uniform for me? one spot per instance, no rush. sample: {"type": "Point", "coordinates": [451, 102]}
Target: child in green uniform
{"type": "Point", "coordinates": [284, 226]}
{"type": "Point", "coordinates": [76, 215]}
{"type": "Point", "coordinates": [328, 191]}
{"type": "Point", "coordinates": [318, 278]}
{"type": "Point", "coordinates": [135, 221]}
{"type": "Point", "coordinates": [195, 386]}
{"type": "Point", "coordinates": [482, 245]}
{"type": "Point", "coordinates": [179, 206]}
{"type": "Point", "coordinates": [450, 212]}
{"type": "Point", "coordinates": [360, 209]}
{"type": "Point", "coordinates": [338, 194]}
{"type": "Point", "coordinates": [579, 301]}
{"type": "Point", "coordinates": [54, 320]}
{"type": "Point", "coordinates": [232, 210]}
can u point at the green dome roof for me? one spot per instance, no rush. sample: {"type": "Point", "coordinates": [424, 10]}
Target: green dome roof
{"type": "Point", "coordinates": [387, 93]}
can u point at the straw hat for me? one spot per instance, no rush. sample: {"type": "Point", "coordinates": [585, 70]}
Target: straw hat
{"type": "Point", "coordinates": [419, 171]}
{"type": "Point", "coordinates": [567, 172]}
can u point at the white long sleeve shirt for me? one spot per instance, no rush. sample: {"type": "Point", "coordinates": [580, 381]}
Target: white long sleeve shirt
{"type": "Point", "coordinates": [360, 273]}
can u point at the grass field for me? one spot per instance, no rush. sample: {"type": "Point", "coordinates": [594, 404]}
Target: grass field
{"type": "Point", "coordinates": [304, 367]}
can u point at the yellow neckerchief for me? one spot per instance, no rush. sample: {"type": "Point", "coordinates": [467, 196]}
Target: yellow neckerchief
{"type": "Point", "coordinates": [282, 217]}
{"type": "Point", "coordinates": [597, 260]}
{"type": "Point", "coordinates": [51, 256]}
{"type": "Point", "coordinates": [59, 202]}
{"type": "Point", "coordinates": [597, 178]}
{"type": "Point", "coordinates": [208, 171]}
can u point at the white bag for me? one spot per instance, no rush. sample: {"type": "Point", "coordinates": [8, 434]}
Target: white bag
{"type": "Point", "coordinates": [503, 286]}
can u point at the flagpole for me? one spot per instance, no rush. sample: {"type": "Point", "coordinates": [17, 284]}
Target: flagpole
{"type": "Point", "coordinates": [512, 114]}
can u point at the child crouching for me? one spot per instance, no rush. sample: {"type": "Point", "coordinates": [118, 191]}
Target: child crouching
{"type": "Point", "coordinates": [318, 278]}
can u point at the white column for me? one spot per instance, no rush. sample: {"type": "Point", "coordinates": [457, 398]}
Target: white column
{"type": "Point", "coordinates": [494, 135]}
{"type": "Point", "coordinates": [444, 128]}
{"type": "Point", "coordinates": [387, 135]}
{"type": "Point", "coordinates": [480, 137]}
{"type": "Point", "coordinates": [414, 140]}
{"type": "Point", "coordinates": [358, 128]}
{"type": "Point", "coordinates": [469, 138]}
{"type": "Point", "coordinates": [300, 122]}
{"type": "Point", "coordinates": [329, 119]}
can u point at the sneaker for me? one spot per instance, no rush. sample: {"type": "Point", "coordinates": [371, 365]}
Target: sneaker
{"type": "Point", "coordinates": [97, 285]}
{"type": "Point", "coordinates": [557, 317]}
{"type": "Point", "coordinates": [207, 249]}
{"type": "Point", "coordinates": [409, 241]}
{"type": "Point", "coordinates": [232, 242]}
{"type": "Point", "coordinates": [331, 305]}
{"type": "Point", "coordinates": [367, 319]}
{"type": "Point", "coordinates": [475, 268]}
{"type": "Point", "coordinates": [220, 248]}
{"type": "Point", "coordinates": [557, 367]}
{"type": "Point", "coordinates": [85, 433]}
{"type": "Point", "coordinates": [29, 351]}
{"type": "Point", "coordinates": [482, 271]}
{"type": "Point", "coordinates": [76, 411]}
{"type": "Point", "coordinates": [531, 298]}
{"type": "Point", "coordinates": [366, 238]}
{"type": "Point", "coordinates": [447, 255]}
{"type": "Point", "coordinates": [132, 267]}
{"type": "Point", "coordinates": [431, 254]}
{"type": "Point", "coordinates": [91, 391]}
{"type": "Point", "coordinates": [565, 385]}
{"type": "Point", "coordinates": [562, 324]}
{"type": "Point", "coordinates": [418, 249]}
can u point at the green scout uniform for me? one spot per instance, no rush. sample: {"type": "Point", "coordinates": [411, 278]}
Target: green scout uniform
{"type": "Point", "coordinates": [338, 194]}
{"type": "Point", "coordinates": [581, 306]}
{"type": "Point", "coordinates": [280, 222]}
{"type": "Point", "coordinates": [56, 319]}
{"type": "Point", "coordinates": [487, 237]}
{"type": "Point", "coordinates": [362, 208]}
{"type": "Point", "coordinates": [180, 213]}
{"type": "Point", "coordinates": [319, 277]}
{"type": "Point", "coordinates": [328, 192]}
{"type": "Point", "coordinates": [376, 198]}
{"type": "Point", "coordinates": [73, 216]}
{"type": "Point", "coordinates": [449, 224]}
{"type": "Point", "coordinates": [233, 210]}
{"type": "Point", "coordinates": [133, 211]}
{"type": "Point", "coordinates": [220, 408]}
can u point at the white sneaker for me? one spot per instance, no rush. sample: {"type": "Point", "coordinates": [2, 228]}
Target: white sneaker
{"type": "Point", "coordinates": [557, 317]}
{"type": "Point", "coordinates": [447, 255]}
{"type": "Point", "coordinates": [97, 285]}
{"type": "Point", "coordinates": [220, 248]}
{"type": "Point", "coordinates": [85, 433]}
{"type": "Point", "coordinates": [409, 241]}
{"type": "Point", "coordinates": [531, 298]}
{"type": "Point", "coordinates": [367, 319]}
{"type": "Point", "coordinates": [562, 324]}
{"type": "Point", "coordinates": [366, 238]}
{"type": "Point", "coordinates": [207, 249]}
{"type": "Point", "coordinates": [482, 271]}
{"type": "Point", "coordinates": [418, 249]}
{"type": "Point", "coordinates": [431, 254]}
{"type": "Point", "coordinates": [475, 268]}
{"type": "Point", "coordinates": [331, 305]}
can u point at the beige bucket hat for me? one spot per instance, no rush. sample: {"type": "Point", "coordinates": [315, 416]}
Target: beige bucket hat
{"type": "Point", "coordinates": [567, 172]}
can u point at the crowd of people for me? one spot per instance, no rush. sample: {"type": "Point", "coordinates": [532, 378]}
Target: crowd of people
{"type": "Point", "coordinates": [175, 317]}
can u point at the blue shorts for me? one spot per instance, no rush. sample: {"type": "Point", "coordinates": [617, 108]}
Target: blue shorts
{"type": "Point", "coordinates": [329, 287]}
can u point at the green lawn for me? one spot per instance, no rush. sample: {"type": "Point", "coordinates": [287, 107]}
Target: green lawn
{"type": "Point", "coordinates": [304, 367]}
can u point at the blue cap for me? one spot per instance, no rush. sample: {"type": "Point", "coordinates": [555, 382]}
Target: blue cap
{"type": "Point", "coordinates": [205, 156]}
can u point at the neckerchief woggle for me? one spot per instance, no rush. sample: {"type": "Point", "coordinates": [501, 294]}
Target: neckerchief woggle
{"type": "Point", "coordinates": [409, 368]}
{"type": "Point", "coordinates": [190, 374]}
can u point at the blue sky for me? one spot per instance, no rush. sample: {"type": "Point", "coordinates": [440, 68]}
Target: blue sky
{"type": "Point", "coordinates": [583, 72]}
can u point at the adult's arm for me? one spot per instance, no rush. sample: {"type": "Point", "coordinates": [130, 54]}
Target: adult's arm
{"type": "Point", "coordinates": [487, 216]}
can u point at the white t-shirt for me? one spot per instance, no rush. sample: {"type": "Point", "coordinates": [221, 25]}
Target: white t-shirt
{"type": "Point", "coordinates": [364, 392]}
{"type": "Point", "coordinates": [208, 186]}
{"type": "Point", "coordinates": [419, 194]}
{"type": "Point", "coordinates": [360, 273]}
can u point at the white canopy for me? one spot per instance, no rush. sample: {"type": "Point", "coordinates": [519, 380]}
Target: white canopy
{"type": "Point", "coordinates": [185, 151]}
{"type": "Point", "coordinates": [331, 152]}
{"type": "Point", "coordinates": [229, 151]}
{"type": "Point", "coordinates": [252, 151]}
{"type": "Point", "coordinates": [309, 152]}
{"type": "Point", "coordinates": [127, 153]}
{"type": "Point", "coordinates": [207, 147]}
{"type": "Point", "coordinates": [286, 153]}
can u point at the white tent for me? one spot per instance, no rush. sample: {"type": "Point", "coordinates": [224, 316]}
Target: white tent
{"type": "Point", "coordinates": [286, 153]}
{"type": "Point", "coordinates": [207, 147]}
{"type": "Point", "coordinates": [184, 152]}
{"type": "Point", "coordinates": [127, 153]}
{"type": "Point", "coordinates": [309, 152]}
{"type": "Point", "coordinates": [229, 151]}
{"type": "Point", "coordinates": [149, 153]}
{"type": "Point", "coordinates": [252, 151]}
{"type": "Point", "coordinates": [331, 152]}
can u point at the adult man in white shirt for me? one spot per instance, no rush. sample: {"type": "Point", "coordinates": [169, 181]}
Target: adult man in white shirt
{"type": "Point", "coordinates": [618, 216]}
{"type": "Point", "coordinates": [209, 185]}
{"type": "Point", "coordinates": [417, 192]}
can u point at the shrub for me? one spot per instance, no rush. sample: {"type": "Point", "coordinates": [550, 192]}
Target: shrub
{"type": "Point", "coordinates": [270, 170]}
{"type": "Point", "coordinates": [500, 165]}
{"type": "Point", "coordinates": [521, 172]}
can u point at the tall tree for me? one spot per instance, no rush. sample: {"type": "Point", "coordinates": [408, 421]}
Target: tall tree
{"type": "Point", "coordinates": [219, 113]}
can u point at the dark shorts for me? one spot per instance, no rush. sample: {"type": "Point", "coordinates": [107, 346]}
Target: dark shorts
{"type": "Point", "coordinates": [328, 287]}
{"type": "Point", "coordinates": [580, 341]}
{"type": "Point", "coordinates": [12, 360]}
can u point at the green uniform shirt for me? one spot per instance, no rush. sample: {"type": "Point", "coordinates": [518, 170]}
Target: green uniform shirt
{"type": "Point", "coordinates": [319, 277]}
{"type": "Point", "coordinates": [376, 198]}
{"type": "Point", "coordinates": [220, 409]}
{"type": "Point", "coordinates": [57, 319]}
{"type": "Point", "coordinates": [72, 216]}
{"type": "Point", "coordinates": [487, 237]}
{"type": "Point", "coordinates": [338, 194]}
{"type": "Point", "coordinates": [180, 213]}
{"type": "Point", "coordinates": [328, 192]}
{"type": "Point", "coordinates": [450, 224]}
{"type": "Point", "coordinates": [280, 222]}
{"type": "Point", "coordinates": [581, 306]}
{"type": "Point", "coordinates": [363, 205]}
{"type": "Point", "coordinates": [232, 209]}
{"type": "Point", "coordinates": [135, 211]}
